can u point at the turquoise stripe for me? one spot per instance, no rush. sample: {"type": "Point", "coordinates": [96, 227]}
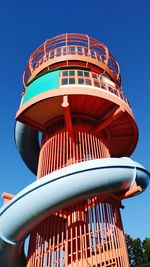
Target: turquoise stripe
{"type": "Point", "coordinates": [44, 83]}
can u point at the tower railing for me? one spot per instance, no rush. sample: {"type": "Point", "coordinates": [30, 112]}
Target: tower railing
{"type": "Point", "coordinates": [75, 77]}
{"type": "Point", "coordinates": [70, 47]}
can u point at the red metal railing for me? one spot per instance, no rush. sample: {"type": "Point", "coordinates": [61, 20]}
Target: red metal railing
{"type": "Point", "coordinates": [66, 45]}
{"type": "Point", "coordinates": [60, 151]}
{"type": "Point", "coordinates": [93, 79]}
{"type": "Point", "coordinates": [87, 234]}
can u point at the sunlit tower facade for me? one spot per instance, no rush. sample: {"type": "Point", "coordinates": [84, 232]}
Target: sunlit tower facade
{"type": "Point", "coordinates": [73, 96]}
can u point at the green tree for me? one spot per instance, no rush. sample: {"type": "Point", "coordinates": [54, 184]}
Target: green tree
{"type": "Point", "coordinates": [138, 255]}
{"type": "Point", "coordinates": [138, 251]}
{"type": "Point", "coordinates": [129, 242]}
{"type": "Point", "coordinates": [146, 250]}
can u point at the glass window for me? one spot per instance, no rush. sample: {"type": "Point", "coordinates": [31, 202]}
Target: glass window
{"type": "Point", "coordinates": [71, 73]}
{"type": "Point", "coordinates": [71, 80]}
{"type": "Point", "coordinates": [86, 74]}
{"type": "Point", "coordinates": [64, 81]}
{"type": "Point", "coordinates": [81, 81]}
{"type": "Point", "coordinates": [103, 86]}
{"type": "Point", "coordinates": [96, 83]}
{"type": "Point", "coordinates": [80, 73]}
{"type": "Point", "coordinates": [107, 76]}
{"type": "Point", "coordinates": [65, 73]}
{"type": "Point", "coordinates": [99, 77]}
{"type": "Point", "coordinates": [94, 75]}
{"type": "Point", "coordinates": [88, 82]}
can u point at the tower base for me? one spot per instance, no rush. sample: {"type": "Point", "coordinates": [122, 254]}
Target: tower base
{"type": "Point", "coordinates": [88, 234]}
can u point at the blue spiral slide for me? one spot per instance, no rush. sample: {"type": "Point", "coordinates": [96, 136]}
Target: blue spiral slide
{"type": "Point", "coordinates": [72, 184]}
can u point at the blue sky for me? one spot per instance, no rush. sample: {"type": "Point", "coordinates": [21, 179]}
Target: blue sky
{"type": "Point", "coordinates": [124, 26]}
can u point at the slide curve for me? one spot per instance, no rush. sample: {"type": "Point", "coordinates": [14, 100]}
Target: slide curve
{"type": "Point", "coordinates": [58, 190]}
{"type": "Point", "coordinates": [26, 139]}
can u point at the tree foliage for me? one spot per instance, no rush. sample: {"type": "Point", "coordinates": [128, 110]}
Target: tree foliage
{"type": "Point", "coordinates": [138, 251]}
{"type": "Point", "coordinates": [146, 248]}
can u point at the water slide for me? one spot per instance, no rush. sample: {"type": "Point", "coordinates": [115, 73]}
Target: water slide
{"type": "Point", "coordinates": [72, 184]}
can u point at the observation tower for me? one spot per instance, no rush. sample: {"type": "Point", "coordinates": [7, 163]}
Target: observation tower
{"type": "Point", "coordinates": [73, 96]}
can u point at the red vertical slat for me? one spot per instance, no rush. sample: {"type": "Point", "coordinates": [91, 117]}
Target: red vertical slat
{"type": "Point", "coordinates": [80, 148]}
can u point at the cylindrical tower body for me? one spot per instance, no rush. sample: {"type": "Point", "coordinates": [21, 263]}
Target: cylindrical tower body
{"type": "Point", "coordinates": [73, 95]}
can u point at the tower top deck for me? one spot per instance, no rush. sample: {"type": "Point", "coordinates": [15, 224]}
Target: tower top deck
{"type": "Point", "coordinates": [80, 49]}
{"type": "Point", "coordinates": [77, 73]}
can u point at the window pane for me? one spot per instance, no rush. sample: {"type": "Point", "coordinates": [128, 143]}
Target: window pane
{"type": "Point", "coordinates": [80, 73]}
{"type": "Point", "coordinates": [71, 73]}
{"type": "Point", "coordinates": [81, 81]}
{"type": "Point", "coordinates": [107, 76]}
{"type": "Point", "coordinates": [65, 73]}
{"type": "Point", "coordinates": [103, 86]}
{"type": "Point", "coordinates": [96, 83]}
{"type": "Point", "coordinates": [94, 75]}
{"type": "Point", "coordinates": [86, 74]}
{"type": "Point", "coordinates": [99, 77]}
{"type": "Point", "coordinates": [64, 81]}
{"type": "Point", "coordinates": [71, 81]}
{"type": "Point", "coordinates": [88, 82]}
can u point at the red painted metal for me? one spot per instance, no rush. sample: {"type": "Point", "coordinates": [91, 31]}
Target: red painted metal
{"type": "Point", "coordinates": [7, 197]}
{"type": "Point", "coordinates": [67, 115]}
{"type": "Point", "coordinates": [92, 119]}
{"type": "Point", "coordinates": [60, 149]}
{"type": "Point", "coordinates": [87, 234]}
{"type": "Point", "coordinates": [71, 47]}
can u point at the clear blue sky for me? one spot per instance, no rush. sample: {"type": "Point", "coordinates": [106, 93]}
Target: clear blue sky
{"type": "Point", "coordinates": [124, 26]}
